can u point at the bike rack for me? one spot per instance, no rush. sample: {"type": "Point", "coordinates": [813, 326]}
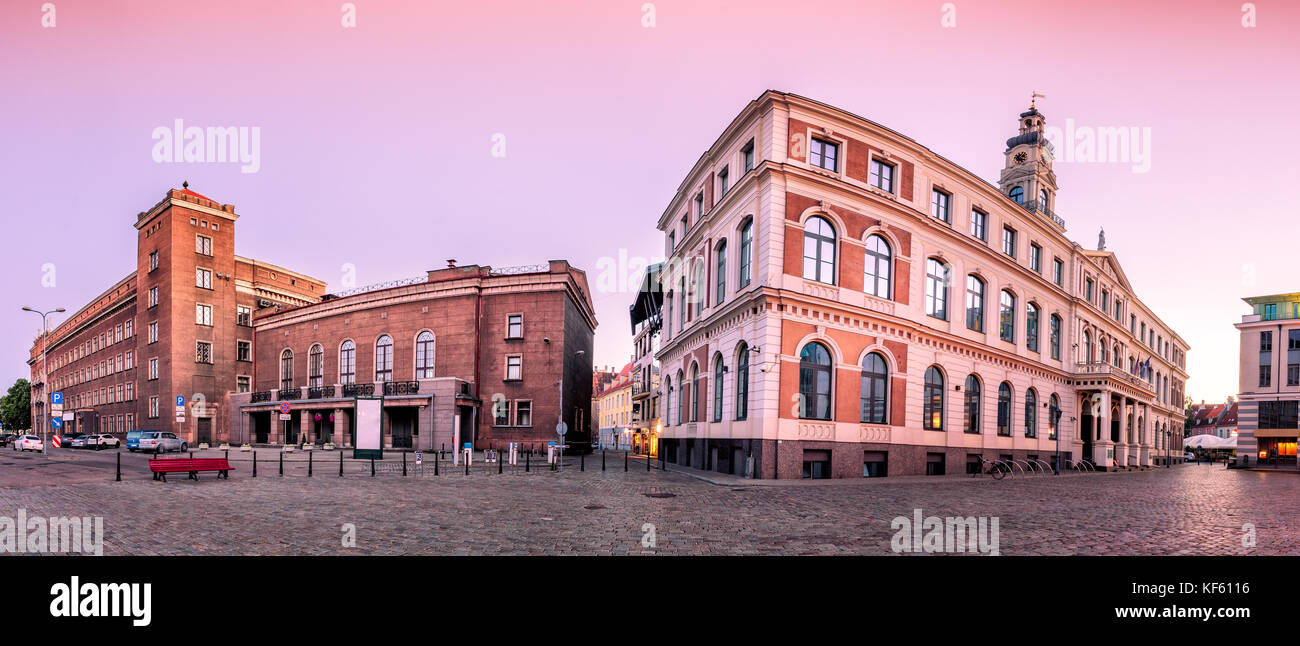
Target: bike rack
{"type": "Point", "coordinates": [1087, 466]}
{"type": "Point", "coordinates": [1017, 463]}
{"type": "Point", "coordinates": [1006, 465]}
{"type": "Point", "coordinates": [1043, 465]}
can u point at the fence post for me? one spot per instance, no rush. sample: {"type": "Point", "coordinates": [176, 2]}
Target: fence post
{"type": "Point", "coordinates": [119, 466]}
{"type": "Point", "coordinates": [340, 464]}
{"type": "Point", "coordinates": [309, 457]}
{"type": "Point", "coordinates": [527, 456]}
{"type": "Point", "coordinates": [436, 460]}
{"type": "Point", "coordinates": [647, 462]}
{"type": "Point", "coordinates": [467, 465]}
{"type": "Point", "coordinates": [500, 465]}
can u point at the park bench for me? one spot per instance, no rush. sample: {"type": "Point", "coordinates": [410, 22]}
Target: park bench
{"type": "Point", "coordinates": [161, 468]}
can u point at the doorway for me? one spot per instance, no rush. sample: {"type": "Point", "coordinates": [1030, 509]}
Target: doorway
{"type": "Point", "coordinates": [204, 428]}
{"type": "Point", "coordinates": [404, 427]}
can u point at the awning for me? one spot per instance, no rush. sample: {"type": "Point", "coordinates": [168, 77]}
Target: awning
{"type": "Point", "coordinates": [649, 298]}
{"type": "Point", "coordinates": [1210, 442]}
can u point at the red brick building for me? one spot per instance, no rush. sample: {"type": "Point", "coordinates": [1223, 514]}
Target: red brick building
{"type": "Point", "coordinates": [179, 325]}
{"type": "Point", "coordinates": [463, 354]}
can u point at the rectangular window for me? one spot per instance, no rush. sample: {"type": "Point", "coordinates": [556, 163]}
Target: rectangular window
{"type": "Point", "coordinates": [1087, 289]}
{"type": "Point", "coordinates": [515, 326]}
{"type": "Point", "coordinates": [1293, 358]}
{"type": "Point", "coordinates": [202, 314]}
{"type": "Point", "coordinates": [1105, 300]}
{"type": "Point", "coordinates": [875, 464]}
{"type": "Point", "coordinates": [153, 260]}
{"type": "Point", "coordinates": [243, 351]}
{"type": "Point", "coordinates": [1009, 241]}
{"type": "Point", "coordinates": [153, 407]}
{"type": "Point", "coordinates": [243, 315]}
{"type": "Point", "coordinates": [1058, 272]}
{"type": "Point", "coordinates": [203, 352]}
{"type": "Point", "coordinates": [699, 206]}
{"type": "Point", "coordinates": [824, 154]}
{"type": "Point", "coordinates": [1265, 359]}
{"type": "Point", "coordinates": [514, 367]}
{"type": "Point", "coordinates": [723, 177]}
{"type": "Point", "coordinates": [202, 245]}
{"type": "Point", "coordinates": [939, 205]}
{"type": "Point", "coordinates": [524, 413]}
{"type": "Point", "coordinates": [203, 278]}
{"type": "Point", "coordinates": [153, 332]}
{"type": "Point", "coordinates": [882, 176]}
{"type": "Point", "coordinates": [130, 390]}
{"type": "Point", "coordinates": [501, 413]}
{"type": "Point", "coordinates": [153, 368]}
{"type": "Point", "coordinates": [243, 384]}
{"type": "Point", "coordinates": [816, 464]}
{"type": "Point", "coordinates": [1279, 414]}
{"type": "Point", "coordinates": [130, 360]}
{"type": "Point", "coordinates": [153, 296]}
{"type": "Point", "coordinates": [979, 221]}
{"type": "Point", "coordinates": [748, 154]}
{"type": "Point", "coordinates": [1036, 258]}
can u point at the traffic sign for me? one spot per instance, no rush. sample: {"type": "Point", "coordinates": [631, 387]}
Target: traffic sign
{"type": "Point", "coordinates": [284, 417]}
{"type": "Point", "coordinates": [180, 400]}
{"type": "Point", "coordinates": [56, 422]}
{"type": "Point", "coordinates": [57, 441]}
{"type": "Point", "coordinates": [284, 407]}
{"type": "Point", "coordinates": [561, 428]}
{"type": "Point", "coordinates": [69, 416]}
{"type": "Point", "coordinates": [419, 457]}
{"type": "Point", "coordinates": [56, 399]}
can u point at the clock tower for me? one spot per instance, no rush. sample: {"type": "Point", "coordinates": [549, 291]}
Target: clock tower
{"type": "Point", "coordinates": [1027, 175]}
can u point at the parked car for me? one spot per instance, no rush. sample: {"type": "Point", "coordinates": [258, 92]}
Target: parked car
{"type": "Point", "coordinates": [133, 440]}
{"type": "Point", "coordinates": [77, 442]}
{"type": "Point", "coordinates": [7, 438]}
{"type": "Point", "coordinates": [102, 440]}
{"type": "Point", "coordinates": [28, 443]}
{"type": "Point", "coordinates": [162, 442]}
{"type": "Point", "coordinates": [1189, 457]}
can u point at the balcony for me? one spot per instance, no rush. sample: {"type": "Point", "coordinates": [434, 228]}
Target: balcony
{"type": "Point", "coordinates": [1048, 214]}
{"type": "Point", "coordinates": [401, 387]}
{"type": "Point", "coordinates": [260, 396]}
{"type": "Point", "coordinates": [358, 390]}
{"type": "Point", "coordinates": [1100, 369]}
{"type": "Point", "coordinates": [288, 393]}
{"type": "Point", "coordinates": [320, 392]}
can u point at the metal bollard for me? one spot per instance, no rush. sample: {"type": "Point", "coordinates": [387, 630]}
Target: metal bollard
{"type": "Point", "coordinates": [435, 464]}
{"type": "Point", "coordinates": [191, 455]}
{"type": "Point", "coordinates": [403, 464]}
{"type": "Point", "coordinates": [647, 463]}
{"type": "Point", "coordinates": [602, 459]}
{"type": "Point", "coordinates": [227, 455]}
{"type": "Point", "coordinates": [372, 467]}
{"type": "Point", "coordinates": [625, 462]}
{"type": "Point", "coordinates": [466, 467]}
{"type": "Point", "coordinates": [340, 464]}
{"type": "Point", "coordinates": [281, 464]}
{"type": "Point", "coordinates": [582, 461]}
{"type": "Point", "coordinates": [254, 464]}
{"type": "Point", "coordinates": [309, 463]}
{"type": "Point", "coordinates": [119, 466]}
{"type": "Point", "coordinates": [527, 456]}
{"type": "Point", "coordinates": [500, 465]}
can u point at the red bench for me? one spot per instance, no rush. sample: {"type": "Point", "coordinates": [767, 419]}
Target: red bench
{"type": "Point", "coordinates": [161, 468]}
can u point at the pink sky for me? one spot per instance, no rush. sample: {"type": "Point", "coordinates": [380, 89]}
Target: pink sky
{"type": "Point", "coordinates": [376, 141]}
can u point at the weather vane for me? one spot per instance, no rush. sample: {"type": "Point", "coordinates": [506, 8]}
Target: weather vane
{"type": "Point", "coordinates": [1034, 97]}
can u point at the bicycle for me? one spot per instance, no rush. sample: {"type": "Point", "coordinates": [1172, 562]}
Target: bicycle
{"type": "Point", "coordinates": [998, 470]}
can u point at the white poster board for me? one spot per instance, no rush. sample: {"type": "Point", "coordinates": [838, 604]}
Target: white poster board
{"type": "Point", "coordinates": [369, 417]}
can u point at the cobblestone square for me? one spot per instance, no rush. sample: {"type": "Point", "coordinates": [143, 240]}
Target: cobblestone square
{"type": "Point", "coordinates": [1187, 509]}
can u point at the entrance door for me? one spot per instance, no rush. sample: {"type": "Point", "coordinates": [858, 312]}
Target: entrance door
{"type": "Point", "coordinates": [1086, 430]}
{"type": "Point", "coordinates": [403, 423]}
{"type": "Point", "coordinates": [262, 427]}
{"type": "Point", "coordinates": [205, 430]}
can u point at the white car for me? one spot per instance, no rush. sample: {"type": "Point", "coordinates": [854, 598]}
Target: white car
{"type": "Point", "coordinates": [102, 440]}
{"type": "Point", "coordinates": [1189, 457]}
{"type": "Point", "coordinates": [162, 442]}
{"type": "Point", "coordinates": [28, 443]}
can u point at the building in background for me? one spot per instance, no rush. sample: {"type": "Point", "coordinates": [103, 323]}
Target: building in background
{"type": "Point", "coordinates": [179, 325]}
{"type": "Point", "coordinates": [1219, 420]}
{"type": "Point", "coordinates": [615, 406]}
{"type": "Point", "coordinates": [647, 319]}
{"type": "Point", "coordinates": [842, 301]}
{"type": "Point", "coordinates": [1269, 419]}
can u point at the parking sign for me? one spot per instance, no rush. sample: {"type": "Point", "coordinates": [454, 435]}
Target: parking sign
{"type": "Point", "coordinates": [180, 400]}
{"type": "Point", "coordinates": [56, 398]}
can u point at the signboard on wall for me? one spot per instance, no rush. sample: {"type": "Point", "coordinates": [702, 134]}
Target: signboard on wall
{"type": "Point", "coordinates": [369, 415]}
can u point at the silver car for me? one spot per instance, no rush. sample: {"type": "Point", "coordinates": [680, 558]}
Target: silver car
{"type": "Point", "coordinates": [162, 442]}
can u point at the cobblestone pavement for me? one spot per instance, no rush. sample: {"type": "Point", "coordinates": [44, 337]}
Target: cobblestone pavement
{"type": "Point", "coordinates": [1184, 510]}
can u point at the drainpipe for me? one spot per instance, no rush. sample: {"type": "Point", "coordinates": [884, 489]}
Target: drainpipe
{"type": "Point", "coordinates": [478, 344]}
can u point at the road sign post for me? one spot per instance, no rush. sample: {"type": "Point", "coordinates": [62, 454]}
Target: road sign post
{"type": "Point", "coordinates": [561, 429]}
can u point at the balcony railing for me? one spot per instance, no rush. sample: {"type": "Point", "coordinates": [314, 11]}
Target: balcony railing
{"type": "Point", "coordinates": [401, 387]}
{"type": "Point", "coordinates": [288, 393]}
{"type": "Point", "coordinates": [1106, 369]}
{"type": "Point", "coordinates": [261, 396]}
{"type": "Point", "coordinates": [1033, 207]}
{"type": "Point", "coordinates": [320, 392]}
{"type": "Point", "coordinates": [358, 390]}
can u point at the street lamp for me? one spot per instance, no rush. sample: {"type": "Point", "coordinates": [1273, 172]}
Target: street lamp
{"type": "Point", "coordinates": [45, 333]}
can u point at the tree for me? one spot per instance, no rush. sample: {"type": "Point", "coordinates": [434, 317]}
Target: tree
{"type": "Point", "coordinates": [16, 407]}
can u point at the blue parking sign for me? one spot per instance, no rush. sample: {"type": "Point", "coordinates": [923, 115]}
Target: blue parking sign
{"type": "Point", "coordinates": [56, 398]}
{"type": "Point", "coordinates": [180, 400]}
{"type": "Point", "coordinates": [56, 422]}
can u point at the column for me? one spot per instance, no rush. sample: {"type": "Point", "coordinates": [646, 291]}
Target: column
{"type": "Point", "coordinates": [341, 437]}
{"type": "Point", "coordinates": [1104, 451]}
{"type": "Point", "coordinates": [304, 426]}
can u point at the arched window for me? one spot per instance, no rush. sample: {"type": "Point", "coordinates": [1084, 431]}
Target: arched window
{"type": "Point", "coordinates": [815, 382]}
{"type": "Point", "coordinates": [819, 251]}
{"type": "Point", "coordinates": [1004, 409]}
{"type": "Point", "coordinates": [932, 405]}
{"type": "Point", "coordinates": [668, 401]}
{"type": "Point", "coordinates": [286, 369]}
{"type": "Point", "coordinates": [877, 269]}
{"type": "Point", "coordinates": [1007, 318]}
{"type": "Point", "coordinates": [875, 389]}
{"type": "Point", "coordinates": [936, 289]}
{"type": "Point", "coordinates": [695, 392]}
{"type": "Point", "coordinates": [720, 289]}
{"type": "Point", "coordinates": [1031, 413]}
{"type": "Point", "coordinates": [699, 295]}
{"type": "Point", "coordinates": [315, 366]}
{"type": "Point", "coordinates": [974, 303]}
{"type": "Point", "coordinates": [1087, 347]}
{"type": "Point", "coordinates": [746, 252]}
{"type": "Point", "coordinates": [681, 398]}
{"type": "Point", "coordinates": [1053, 414]}
{"type": "Point", "coordinates": [424, 355]}
{"type": "Point", "coordinates": [972, 404]}
{"type": "Point", "coordinates": [384, 359]}
{"type": "Point", "coordinates": [1118, 357]}
{"type": "Point", "coordinates": [742, 381]}
{"type": "Point", "coordinates": [1018, 194]}
{"type": "Point", "coordinates": [1042, 200]}
{"type": "Point", "coordinates": [1055, 337]}
{"type": "Point", "coordinates": [718, 372]}
{"type": "Point", "coordinates": [1031, 327]}
{"type": "Point", "coordinates": [348, 362]}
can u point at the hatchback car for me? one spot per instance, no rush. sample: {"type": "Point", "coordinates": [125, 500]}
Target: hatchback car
{"type": "Point", "coordinates": [78, 442]}
{"type": "Point", "coordinates": [28, 443]}
{"type": "Point", "coordinates": [102, 440]}
{"type": "Point", "coordinates": [133, 440]}
{"type": "Point", "coordinates": [162, 442]}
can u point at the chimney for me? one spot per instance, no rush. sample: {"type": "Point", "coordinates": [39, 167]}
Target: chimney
{"type": "Point", "coordinates": [451, 263]}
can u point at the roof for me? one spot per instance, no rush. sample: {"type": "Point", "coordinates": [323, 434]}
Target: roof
{"type": "Point", "coordinates": [187, 191]}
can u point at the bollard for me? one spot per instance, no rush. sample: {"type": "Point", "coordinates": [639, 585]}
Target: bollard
{"type": "Point", "coordinates": [647, 463]}
{"type": "Point", "coordinates": [602, 459]}
{"type": "Point", "coordinates": [403, 464]}
{"type": "Point", "coordinates": [191, 455]}
{"type": "Point", "coordinates": [466, 467]}
{"type": "Point", "coordinates": [227, 455]}
{"type": "Point", "coordinates": [435, 464]}
{"type": "Point", "coordinates": [309, 463]}
{"type": "Point", "coordinates": [625, 462]}
{"type": "Point", "coordinates": [119, 466]}
{"type": "Point", "coordinates": [527, 456]}
{"type": "Point", "coordinates": [500, 465]}
{"type": "Point", "coordinates": [281, 464]}
{"type": "Point", "coordinates": [372, 467]}
{"type": "Point", "coordinates": [340, 464]}
{"type": "Point", "coordinates": [582, 461]}
{"type": "Point", "coordinates": [254, 464]}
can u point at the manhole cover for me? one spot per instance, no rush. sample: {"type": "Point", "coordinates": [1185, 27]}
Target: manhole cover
{"type": "Point", "coordinates": [661, 495]}
{"type": "Point", "coordinates": [595, 507]}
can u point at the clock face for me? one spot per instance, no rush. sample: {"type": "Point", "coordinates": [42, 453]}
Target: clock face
{"type": "Point", "coordinates": [1021, 157]}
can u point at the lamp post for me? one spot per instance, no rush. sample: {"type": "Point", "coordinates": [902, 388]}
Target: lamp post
{"type": "Point", "coordinates": [45, 371]}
